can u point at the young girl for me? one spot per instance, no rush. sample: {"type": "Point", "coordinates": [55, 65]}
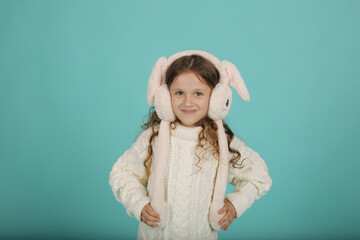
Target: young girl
{"type": "Point", "coordinates": [173, 179]}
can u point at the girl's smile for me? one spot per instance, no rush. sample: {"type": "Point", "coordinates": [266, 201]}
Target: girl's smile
{"type": "Point", "coordinates": [188, 111]}
{"type": "Point", "coordinates": [190, 98]}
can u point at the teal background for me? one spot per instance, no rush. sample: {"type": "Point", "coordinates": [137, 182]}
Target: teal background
{"type": "Point", "coordinates": [73, 79]}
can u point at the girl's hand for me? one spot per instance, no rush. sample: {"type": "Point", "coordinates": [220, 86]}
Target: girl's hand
{"type": "Point", "coordinates": [149, 216]}
{"type": "Point", "coordinates": [229, 216]}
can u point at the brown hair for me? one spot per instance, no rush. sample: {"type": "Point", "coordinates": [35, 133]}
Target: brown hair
{"type": "Point", "coordinates": [207, 72]}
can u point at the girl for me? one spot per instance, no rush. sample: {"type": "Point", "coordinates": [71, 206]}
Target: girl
{"type": "Point", "coordinates": [173, 179]}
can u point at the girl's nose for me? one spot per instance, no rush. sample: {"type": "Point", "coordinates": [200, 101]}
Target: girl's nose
{"type": "Point", "coordinates": [188, 101]}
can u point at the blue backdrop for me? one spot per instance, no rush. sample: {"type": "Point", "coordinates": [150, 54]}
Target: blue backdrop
{"type": "Point", "coordinates": [73, 79]}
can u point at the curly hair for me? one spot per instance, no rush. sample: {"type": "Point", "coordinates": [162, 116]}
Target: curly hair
{"type": "Point", "coordinates": [208, 73]}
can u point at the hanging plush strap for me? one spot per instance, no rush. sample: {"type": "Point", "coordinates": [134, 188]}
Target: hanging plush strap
{"type": "Point", "coordinates": [158, 93]}
{"type": "Point", "coordinates": [221, 179]}
{"type": "Point", "coordinates": [157, 191]}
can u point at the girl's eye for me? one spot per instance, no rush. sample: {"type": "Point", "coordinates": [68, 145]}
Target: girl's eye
{"type": "Point", "coordinates": [198, 94]}
{"type": "Point", "coordinates": [179, 93]}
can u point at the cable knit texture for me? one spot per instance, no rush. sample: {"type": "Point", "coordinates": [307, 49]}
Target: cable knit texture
{"type": "Point", "coordinates": [188, 189]}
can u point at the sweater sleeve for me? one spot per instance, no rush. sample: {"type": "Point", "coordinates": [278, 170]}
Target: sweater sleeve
{"type": "Point", "coordinates": [251, 181]}
{"type": "Point", "coordinates": [128, 177]}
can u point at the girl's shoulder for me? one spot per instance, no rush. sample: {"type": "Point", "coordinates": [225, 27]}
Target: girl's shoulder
{"type": "Point", "coordinates": [144, 137]}
{"type": "Point", "coordinates": [236, 142]}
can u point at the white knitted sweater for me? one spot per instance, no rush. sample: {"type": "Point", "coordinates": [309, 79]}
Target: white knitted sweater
{"type": "Point", "coordinates": [188, 189]}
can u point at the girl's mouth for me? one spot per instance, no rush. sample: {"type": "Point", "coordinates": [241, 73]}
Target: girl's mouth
{"type": "Point", "coordinates": [188, 111]}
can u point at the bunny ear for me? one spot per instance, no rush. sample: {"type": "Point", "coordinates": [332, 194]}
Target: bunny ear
{"type": "Point", "coordinates": [236, 80]}
{"type": "Point", "coordinates": [155, 79]}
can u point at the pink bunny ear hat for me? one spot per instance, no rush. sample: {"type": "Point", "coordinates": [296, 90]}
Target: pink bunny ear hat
{"type": "Point", "coordinates": [219, 106]}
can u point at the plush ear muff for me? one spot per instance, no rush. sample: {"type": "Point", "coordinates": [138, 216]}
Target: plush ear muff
{"type": "Point", "coordinates": [163, 104]}
{"type": "Point", "coordinates": [155, 79]}
{"type": "Point", "coordinates": [220, 102]}
{"type": "Point", "coordinates": [221, 96]}
{"type": "Point", "coordinates": [158, 92]}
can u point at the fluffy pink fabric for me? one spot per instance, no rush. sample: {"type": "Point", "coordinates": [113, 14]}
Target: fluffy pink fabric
{"type": "Point", "coordinates": [158, 194]}
{"type": "Point", "coordinates": [220, 102]}
{"type": "Point", "coordinates": [155, 79]}
{"type": "Point", "coordinates": [221, 179]}
{"type": "Point", "coordinates": [163, 104]}
{"type": "Point", "coordinates": [235, 79]}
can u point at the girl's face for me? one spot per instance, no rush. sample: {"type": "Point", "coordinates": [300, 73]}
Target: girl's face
{"type": "Point", "coordinates": [189, 98]}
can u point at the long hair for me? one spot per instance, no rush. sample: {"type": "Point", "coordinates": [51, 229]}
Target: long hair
{"type": "Point", "coordinates": [207, 72]}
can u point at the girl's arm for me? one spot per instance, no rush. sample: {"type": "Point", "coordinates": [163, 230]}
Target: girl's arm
{"type": "Point", "coordinates": [128, 177]}
{"type": "Point", "coordinates": [251, 182]}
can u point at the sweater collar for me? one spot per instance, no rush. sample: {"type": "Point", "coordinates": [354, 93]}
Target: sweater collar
{"type": "Point", "coordinates": [186, 133]}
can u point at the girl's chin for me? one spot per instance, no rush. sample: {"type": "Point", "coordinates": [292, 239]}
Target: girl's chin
{"type": "Point", "coordinates": [187, 124]}
{"type": "Point", "coordinates": [190, 122]}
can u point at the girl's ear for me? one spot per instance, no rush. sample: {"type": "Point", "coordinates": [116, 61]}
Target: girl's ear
{"type": "Point", "coordinates": [235, 79]}
{"type": "Point", "coordinates": [155, 79]}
